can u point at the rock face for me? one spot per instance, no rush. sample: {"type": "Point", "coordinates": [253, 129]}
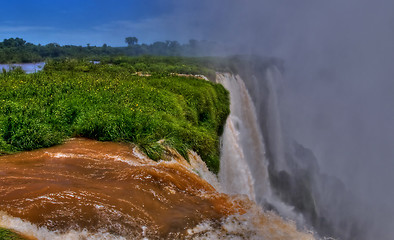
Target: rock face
{"type": "Point", "coordinates": [103, 190]}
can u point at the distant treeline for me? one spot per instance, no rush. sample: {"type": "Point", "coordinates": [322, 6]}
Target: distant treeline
{"type": "Point", "coordinates": [17, 50]}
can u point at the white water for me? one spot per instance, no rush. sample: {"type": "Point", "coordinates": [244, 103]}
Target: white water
{"type": "Point", "coordinates": [235, 175]}
{"type": "Point", "coordinates": [243, 163]}
{"type": "Point", "coordinates": [273, 118]}
{"type": "Point", "coordinates": [43, 233]}
{"type": "Point", "coordinates": [255, 224]}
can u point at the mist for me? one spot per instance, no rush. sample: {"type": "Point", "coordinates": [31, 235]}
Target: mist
{"type": "Point", "coordinates": [337, 94]}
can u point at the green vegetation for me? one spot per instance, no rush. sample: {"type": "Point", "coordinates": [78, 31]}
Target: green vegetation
{"type": "Point", "coordinates": [17, 50]}
{"type": "Point", "coordinates": [6, 234]}
{"type": "Point", "coordinates": [137, 100]}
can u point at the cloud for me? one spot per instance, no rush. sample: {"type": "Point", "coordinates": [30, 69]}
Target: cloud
{"type": "Point", "coordinates": [7, 29]}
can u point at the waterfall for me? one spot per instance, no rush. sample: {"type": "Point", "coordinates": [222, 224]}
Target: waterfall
{"type": "Point", "coordinates": [244, 163]}
{"type": "Point", "coordinates": [260, 159]}
{"type": "Point", "coordinates": [242, 144]}
{"type": "Point", "coordinates": [273, 118]}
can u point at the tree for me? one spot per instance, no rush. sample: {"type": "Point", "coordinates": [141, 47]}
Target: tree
{"type": "Point", "coordinates": [174, 48]}
{"type": "Point", "coordinates": [131, 41]}
{"type": "Point", "coordinates": [14, 42]}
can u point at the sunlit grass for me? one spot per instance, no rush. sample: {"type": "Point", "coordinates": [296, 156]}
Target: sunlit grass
{"type": "Point", "coordinates": [109, 102]}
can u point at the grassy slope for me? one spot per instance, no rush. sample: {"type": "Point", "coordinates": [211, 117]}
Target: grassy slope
{"type": "Point", "coordinates": [109, 102]}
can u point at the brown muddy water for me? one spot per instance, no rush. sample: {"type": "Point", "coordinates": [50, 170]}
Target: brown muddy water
{"type": "Point", "coordinates": [85, 189]}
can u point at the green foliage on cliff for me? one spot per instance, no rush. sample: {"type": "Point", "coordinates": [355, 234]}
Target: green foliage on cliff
{"type": "Point", "coordinates": [6, 234]}
{"type": "Point", "coordinates": [110, 101]}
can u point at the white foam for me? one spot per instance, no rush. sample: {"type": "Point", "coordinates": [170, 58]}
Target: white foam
{"type": "Point", "coordinates": [130, 162]}
{"type": "Point", "coordinates": [140, 155]}
{"type": "Point", "coordinates": [200, 168]}
{"type": "Point", "coordinates": [43, 233]}
{"type": "Point", "coordinates": [249, 226]}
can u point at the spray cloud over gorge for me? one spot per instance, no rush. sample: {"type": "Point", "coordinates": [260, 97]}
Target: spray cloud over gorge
{"type": "Point", "coordinates": [336, 97]}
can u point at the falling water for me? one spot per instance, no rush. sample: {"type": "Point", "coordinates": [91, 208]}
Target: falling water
{"type": "Point", "coordinates": [241, 132]}
{"type": "Point", "coordinates": [273, 76]}
{"type": "Point", "coordinates": [244, 163]}
{"type": "Point", "coordinates": [294, 185]}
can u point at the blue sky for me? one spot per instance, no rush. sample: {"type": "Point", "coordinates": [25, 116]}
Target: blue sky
{"type": "Point", "coordinates": [80, 22]}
